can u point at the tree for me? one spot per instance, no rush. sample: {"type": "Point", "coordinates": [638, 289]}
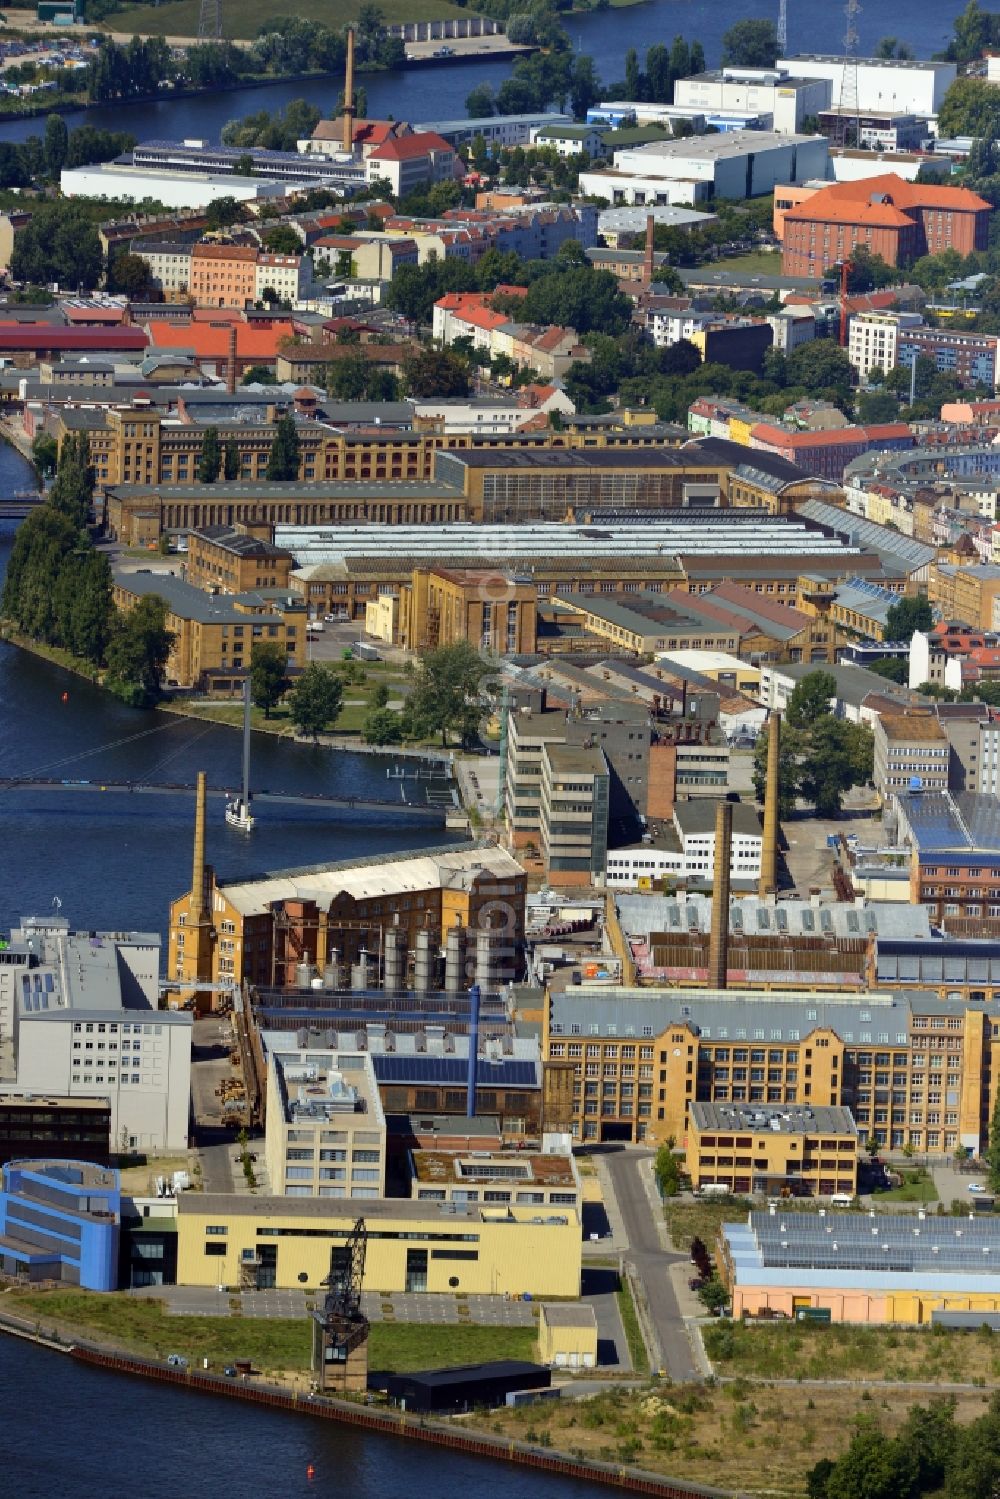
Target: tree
{"type": "Point", "coordinates": [970, 107]}
{"type": "Point", "coordinates": [577, 296]}
{"type": "Point", "coordinates": [908, 615]}
{"type": "Point", "coordinates": [750, 44]}
{"type": "Point", "coordinates": [893, 668]}
{"type": "Point", "coordinates": [283, 460]}
{"type": "Point", "coordinates": [259, 374]}
{"type": "Point", "coordinates": [282, 240]}
{"type": "Point", "coordinates": [268, 675]}
{"type": "Point", "coordinates": [667, 1170]}
{"type": "Point", "coordinates": [44, 453]}
{"type": "Point", "coordinates": [138, 650]}
{"type": "Point", "coordinates": [436, 373]}
{"type": "Point", "coordinates": [890, 47]}
{"type": "Point", "coordinates": [585, 86]}
{"type": "Point", "coordinates": [480, 102]}
{"type": "Point", "coordinates": [447, 694]}
{"type": "Point", "coordinates": [877, 406]}
{"type": "Point", "coordinates": [788, 770]}
{"type": "Point", "coordinates": [713, 1294]}
{"type": "Point", "coordinates": [210, 460]}
{"type": "Point", "coordinates": [72, 493]}
{"type": "Point", "coordinates": [874, 1466]}
{"type": "Point", "coordinates": [56, 144]}
{"type": "Point", "coordinates": [231, 460]}
{"type": "Point", "coordinates": [383, 726]}
{"type": "Point", "coordinates": [221, 213]}
{"type": "Point", "coordinates": [59, 244]}
{"type": "Point", "coordinates": [131, 276]}
{"type": "Point", "coordinates": [810, 699]}
{"type": "Point", "coordinates": [315, 700]}
{"type": "Point", "coordinates": [820, 365]}
{"type": "Point", "coordinates": [839, 755]}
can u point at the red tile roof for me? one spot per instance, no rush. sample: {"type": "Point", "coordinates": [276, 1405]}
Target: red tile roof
{"type": "Point", "coordinates": [44, 336]}
{"type": "Point", "coordinates": [886, 200]}
{"type": "Point", "coordinates": [212, 342]}
{"type": "Point", "coordinates": [408, 147]}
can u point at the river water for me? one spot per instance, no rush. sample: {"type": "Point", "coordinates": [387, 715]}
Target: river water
{"type": "Point", "coordinates": [439, 92]}
{"type": "Point", "coordinates": [84, 1432]}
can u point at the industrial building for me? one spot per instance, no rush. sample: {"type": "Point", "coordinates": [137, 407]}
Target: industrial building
{"type": "Point", "coordinates": [737, 164]}
{"type": "Point", "coordinates": [174, 188]}
{"type": "Point", "coordinates": [474, 1248]}
{"type": "Point", "coordinates": [915, 87]}
{"type": "Point", "coordinates": [862, 1268]}
{"type": "Point", "coordinates": [60, 1221]}
{"type": "Point", "coordinates": [955, 843]}
{"type": "Point", "coordinates": [79, 1018]}
{"type": "Point", "coordinates": [783, 101]}
{"type": "Point", "coordinates": [325, 1125]}
{"type": "Point", "coordinates": [781, 1152]}
{"type": "Point", "coordinates": [567, 1336]}
{"type": "Point", "coordinates": [527, 1179]}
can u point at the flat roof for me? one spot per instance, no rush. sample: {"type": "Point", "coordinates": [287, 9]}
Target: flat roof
{"type": "Point", "coordinates": [184, 599]}
{"type": "Point", "coordinates": [724, 146]}
{"type": "Point", "coordinates": [780, 1119]}
{"type": "Point", "coordinates": [697, 815]}
{"type": "Point", "coordinates": [342, 1214]}
{"type": "Point", "coordinates": [516, 1167]}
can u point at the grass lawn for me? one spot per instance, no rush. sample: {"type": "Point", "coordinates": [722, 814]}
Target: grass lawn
{"type": "Point", "coordinates": [762, 262]}
{"type": "Point", "coordinates": [276, 1345]}
{"type": "Point", "coordinates": [917, 1187]}
{"type": "Point", "coordinates": [180, 17]}
{"type": "Point", "coordinates": [405, 1346]}
{"type": "Point", "coordinates": [804, 1350]}
{"type": "Point", "coordinates": [633, 1332]}
{"type": "Point", "coordinates": [357, 704]}
{"type": "Point", "coordinates": [756, 1440]}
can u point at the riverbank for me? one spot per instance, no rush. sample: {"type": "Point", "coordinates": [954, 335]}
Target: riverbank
{"type": "Point", "coordinates": [461, 1435]}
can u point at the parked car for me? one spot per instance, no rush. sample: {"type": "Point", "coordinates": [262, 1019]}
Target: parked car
{"type": "Point", "coordinates": [975, 1187]}
{"type": "Point", "coordinates": [177, 1361]}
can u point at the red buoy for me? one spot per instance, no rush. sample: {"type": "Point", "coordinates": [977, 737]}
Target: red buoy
{"type": "Point", "coordinates": [65, 697]}
{"type": "Point", "coordinates": [310, 1471]}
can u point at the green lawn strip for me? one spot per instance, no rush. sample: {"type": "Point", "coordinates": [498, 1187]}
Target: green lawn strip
{"type": "Point", "coordinates": [180, 17]}
{"type": "Point", "coordinates": [402, 1346]}
{"type": "Point", "coordinates": [757, 262]}
{"type": "Point", "coordinates": [917, 1186]}
{"type": "Point", "coordinates": [633, 1332]}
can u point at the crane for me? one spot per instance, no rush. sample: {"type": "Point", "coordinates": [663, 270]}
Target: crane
{"type": "Point", "coordinates": [341, 1327]}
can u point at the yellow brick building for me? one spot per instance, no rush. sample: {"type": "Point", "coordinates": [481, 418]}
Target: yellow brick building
{"type": "Point", "coordinates": [781, 1151]}
{"type": "Point", "coordinates": [260, 1242]}
{"type": "Point", "coordinates": [493, 611]}
{"type": "Point", "coordinates": [229, 559]}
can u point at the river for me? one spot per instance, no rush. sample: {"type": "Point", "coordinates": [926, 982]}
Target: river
{"type": "Point", "coordinates": [72, 1431]}
{"type": "Point", "coordinates": [115, 859]}
{"type": "Point", "coordinates": [429, 93]}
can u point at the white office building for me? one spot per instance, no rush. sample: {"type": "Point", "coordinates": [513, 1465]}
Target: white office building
{"type": "Point", "coordinates": [78, 1019]}
{"type": "Point", "coordinates": [873, 339]}
{"type": "Point", "coordinates": [783, 100]}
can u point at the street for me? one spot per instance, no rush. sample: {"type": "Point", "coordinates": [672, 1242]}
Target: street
{"type": "Point", "coordinates": [651, 1262]}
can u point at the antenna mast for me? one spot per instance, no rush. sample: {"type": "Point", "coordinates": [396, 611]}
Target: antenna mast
{"type": "Point", "coordinates": [210, 21]}
{"type": "Point", "coordinates": [782, 28]}
{"type": "Point", "coordinates": [850, 105]}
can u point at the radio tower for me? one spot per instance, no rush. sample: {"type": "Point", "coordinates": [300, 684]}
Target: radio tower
{"type": "Point", "coordinates": [782, 28]}
{"type": "Point", "coordinates": [850, 106]}
{"type": "Point", "coordinates": [210, 21]}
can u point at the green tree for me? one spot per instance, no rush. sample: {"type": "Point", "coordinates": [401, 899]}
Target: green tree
{"type": "Point", "coordinates": [282, 240]}
{"type": "Point", "coordinates": [839, 755]}
{"type": "Point", "coordinates": [138, 650]}
{"type": "Point", "coordinates": [383, 726]}
{"type": "Point", "coordinates": [283, 459]}
{"type": "Point", "coordinates": [909, 614]}
{"type": "Point", "coordinates": [820, 366]}
{"type": "Point", "coordinates": [268, 675]}
{"type": "Point", "coordinates": [59, 244]}
{"type": "Point", "coordinates": [86, 586]}
{"type": "Point", "coordinates": [259, 374]}
{"type": "Point", "coordinates": [713, 1294]}
{"type": "Point", "coordinates": [210, 459]}
{"type": "Point", "coordinates": [750, 44]}
{"type": "Point", "coordinates": [315, 700]}
{"type": "Point", "coordinates": [221, 213]}
{"type": "Point", "coordinates": [788, 769]}
{"type": "Point", "coordinates": [347, 376]}
{"type": "Point", "coordinates": [436, 373]}
{"type": "Point", "coordinates": [893, 668]}
{"type": "Point", "coordinates": [810, 699]}
{"type": "Point", "coordinates": [231, 459]}
{"type": "Point", "coordinates": [72, 493]}
{"type": "Point", "coordinates": [877, 406]}
{"type": "Point", "coordinates": [874, 1466]}
{"type": "Point", "coordinates": [970, 107]}
{"type": "Point", "coordinates": [480, 102]}
{"type": "Point", "coordinates": [667, 1170]}
{"type": "Point", "coordinates": [130, 276]}
{"type": "Point", "coordinates": [44, 454]}
{"type": "Point", "coordinates": [55, 145]}
{"type": "Point", "coordinates": [447, 696]}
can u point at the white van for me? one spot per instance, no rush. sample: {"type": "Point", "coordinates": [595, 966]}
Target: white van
{"type": "Point", "coordinates": [842, 1200]}
{"type": "Point", "coordinates": [713, 1189]}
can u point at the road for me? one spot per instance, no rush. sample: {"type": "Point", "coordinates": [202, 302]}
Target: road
{"type": "Point", "coordinates": [651, 1262]}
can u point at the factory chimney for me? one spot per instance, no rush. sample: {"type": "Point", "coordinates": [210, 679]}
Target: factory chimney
{"type": "Point", "coordinates": [718, 949]}
{"type": "Point", "coordinates": [199, 869]}
{"type": "Point", "coordinates": [231, 362]}
{"type": "Point", "coordinates": [769, 849]}
{"type": "Point", "coordinates": [348, 111]}
{"type": "Point", "coordinates": [647, 268]}
{"type": "Point", "coordinates": [470, 1097]}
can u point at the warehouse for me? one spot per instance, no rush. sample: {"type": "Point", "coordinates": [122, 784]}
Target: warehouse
{"type": "Point", "coordinates": [737, 164]}
{"type": "Point", "coordinates": [861, 1267]}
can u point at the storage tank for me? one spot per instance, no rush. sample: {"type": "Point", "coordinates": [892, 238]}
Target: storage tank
{"type": "Point", "coordinates": [394, 961]}
{"type": "Point", "coordinates": [422, 962]}
{"type": "Point", "coordinates": [454, 961]}
{"type": "Point", "coordinates": [361, 972]}
{"type": "Point", "coordinates": [303, 973]}
{"type": "Point", "coordinates": [485, 959]}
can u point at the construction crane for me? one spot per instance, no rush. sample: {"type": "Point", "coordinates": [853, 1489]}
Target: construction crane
{"type": "Point", "coordinates": [846, 267]}
{"type": "Point", "coordinates": [340, 1348]}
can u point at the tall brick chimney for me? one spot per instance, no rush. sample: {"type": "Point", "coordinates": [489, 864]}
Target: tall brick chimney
{"type": "Point", "coordinates": [769, 851]}
{"type": "Point", "coordinates": [718, 942]}
{"type": "Point", "coordinates": [348, 115]}
{"type": "Point", "coordinates": [647, 267]}
{"type": "Point", "coordinates": [231, 361]}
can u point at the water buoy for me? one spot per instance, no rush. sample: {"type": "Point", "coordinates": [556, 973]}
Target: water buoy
{"type": "Point", "coordinates": [310, 1471]}
{"type": "Point", "coordinates": [65, 697]}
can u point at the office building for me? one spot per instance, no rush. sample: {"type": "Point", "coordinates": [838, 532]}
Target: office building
{"type": "Point", "coordinates": [45, 1127]}
{"type": "Point", "coordinates": [411, 161]}
{"type": "Point", "coordinates": [60, 1221]}
{"type": "Point", "coordinates": [172, 186]}
{"type": "Point", "coordinates": [911, 752]}
{"type": "Point", "coordinates": [413, 1247]}
{"type": "Point", "coordinates": [898, 220]}
{"type": "Point", "coordinates": [494, 611]}
{"type": "Point", "coordinates": [228, 559]}
{"type": "Point", "coordinates": [78, 1021]}
{"type": "Point", "coordinates": [794, 1152]}
{"type": "Point", "coordinates": [954, 838]}
{"type": "Point", "coordinates": [325, 1125]}
{"type": "Point", "coordinates": [970, 595]}
{"type": "Point", "coordinates": [573, 813]}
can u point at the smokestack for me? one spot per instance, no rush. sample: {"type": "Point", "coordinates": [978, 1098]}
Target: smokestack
{"type": "Point", "coordinates": [422, 962]}
{"type": "Point", "coordinates": [454, 960]}
{"type": "Point", "coordinates": [647, 268]}
{"type": "Point", "coordinates": [199, 871]}
{"type": "Point", "coordinates": [231, 362]}
{"type": "Point", "coordinates": [718, 950]}
{"type": "Point", "coordinates": [348, 115]}
{"type": "Point", "coordinates": [470, 1096]}
{"type": "Point", "coordinates": [769, 851]}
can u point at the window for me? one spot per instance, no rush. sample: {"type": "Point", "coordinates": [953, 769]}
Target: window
{"type": "Point", "coordinates": [217, 1249]}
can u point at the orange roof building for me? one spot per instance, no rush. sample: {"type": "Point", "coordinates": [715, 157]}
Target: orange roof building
{"type": "Point", "coordinates": [897, 220]}
{"type": "Point", "coordinates": [209, 342]}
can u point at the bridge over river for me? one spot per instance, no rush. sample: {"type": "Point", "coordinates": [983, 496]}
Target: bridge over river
{"type": "Point", "coordinates": [387, 806]}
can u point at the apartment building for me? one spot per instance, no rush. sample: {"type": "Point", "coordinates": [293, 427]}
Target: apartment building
{"type": "Point", "coordinates": [326, 1131]}
{"type": "Point", "coordinates": [873, 339]}
{"type": "Point", "coordinates": [968, 594]}
{"type": "Point", "coordinates": [628, 1064]}
{"type": "Point", "coordinates": [795, 1152]}
{"type": "Point", "coordinates": [575, 792]}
